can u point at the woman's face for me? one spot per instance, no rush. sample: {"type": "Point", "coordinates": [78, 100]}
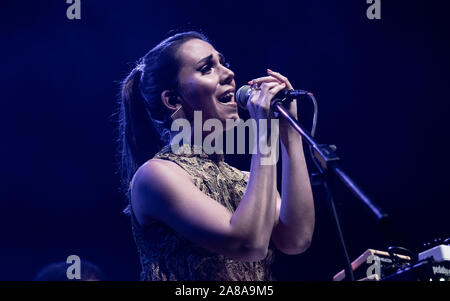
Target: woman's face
{"type": "Point", "coordinates": [205, 84]}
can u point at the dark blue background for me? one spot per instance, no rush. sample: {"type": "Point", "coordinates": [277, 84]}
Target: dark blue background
{"type": "Point", "coordinates": [382, 87]}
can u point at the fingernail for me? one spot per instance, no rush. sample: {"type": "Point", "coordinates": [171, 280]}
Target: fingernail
{"type": "Point", "coordinates": [250, 82]}
{"type": "Point", "coordinates": [270, 71]}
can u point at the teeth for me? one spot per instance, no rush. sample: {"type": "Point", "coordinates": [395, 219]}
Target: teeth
{"type": "Point", "coordinates": [227, 97]}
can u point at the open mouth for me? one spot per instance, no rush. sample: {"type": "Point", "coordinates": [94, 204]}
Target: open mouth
{"type": "Point", "coordinates": [227, 97]}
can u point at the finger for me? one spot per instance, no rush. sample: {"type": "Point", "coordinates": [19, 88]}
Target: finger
{"type": "Point", "coordinates": [280, 77]}
{"type": "Point", "coordinates": [266, 86]}
{"type": "Point", "coordinates": [277, 75]}
{"type": "Point", "coordinates": [272, 92]}
{"type": "Point", "coordinates": [262, 96]}
{"type": "Point", "coordinates": [259, 80]}
{"type": "Point", "coordinates": [254, 95]}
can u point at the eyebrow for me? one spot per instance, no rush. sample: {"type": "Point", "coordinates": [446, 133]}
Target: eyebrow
{"type": "Point", "coordinates": [209, 57]}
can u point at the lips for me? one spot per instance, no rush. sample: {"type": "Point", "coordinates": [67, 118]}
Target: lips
{"type": "Point", "coordinates": [227, 96]}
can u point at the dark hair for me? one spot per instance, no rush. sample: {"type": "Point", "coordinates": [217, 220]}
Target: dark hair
{"type": "Point", "coordinates": [144, 122]}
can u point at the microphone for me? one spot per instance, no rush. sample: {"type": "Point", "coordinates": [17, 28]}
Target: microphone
{"type": "Point", "coordinates": [243, 94]}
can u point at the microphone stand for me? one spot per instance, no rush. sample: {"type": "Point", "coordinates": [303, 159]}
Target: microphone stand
{"type": "Point", "coordinates": [329, 166]}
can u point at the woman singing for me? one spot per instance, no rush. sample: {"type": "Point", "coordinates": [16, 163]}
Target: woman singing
{"type": "Point", "coordinates": [194, 217]}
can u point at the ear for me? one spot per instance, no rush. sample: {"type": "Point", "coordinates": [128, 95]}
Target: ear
{"type": "Point", "coordinates": [170, 99]}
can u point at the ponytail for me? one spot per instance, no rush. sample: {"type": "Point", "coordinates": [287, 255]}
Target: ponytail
{"type": "Point", "coordinates": [138, 139]}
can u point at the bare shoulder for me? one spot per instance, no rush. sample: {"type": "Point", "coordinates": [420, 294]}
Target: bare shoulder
{"type": "Point", "coordinates": [154, 169]}
{"type": "Point", "coordinates": [154, 182]}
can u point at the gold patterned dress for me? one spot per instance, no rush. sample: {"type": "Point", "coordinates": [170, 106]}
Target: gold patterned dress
{"type": "Point", "coordinates": [167, 255]}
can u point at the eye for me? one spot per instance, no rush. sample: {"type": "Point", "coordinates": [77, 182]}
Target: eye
{"type": "Point", "coordinates": [206, 68]}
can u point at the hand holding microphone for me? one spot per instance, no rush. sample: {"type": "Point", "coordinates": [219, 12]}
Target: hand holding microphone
{"type": "Point", "coordinates": [245, 93]}
{"type": "Point", "coordinates": [258, 98]}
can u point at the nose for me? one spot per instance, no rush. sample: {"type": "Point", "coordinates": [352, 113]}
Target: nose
{"type": "Point", "coordinates": [227, 75]}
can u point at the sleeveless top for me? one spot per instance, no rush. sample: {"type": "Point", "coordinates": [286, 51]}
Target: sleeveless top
{"type": "Point", "coordinates": [167, 255]}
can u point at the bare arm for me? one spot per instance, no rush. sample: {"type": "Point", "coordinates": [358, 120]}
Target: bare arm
{"type": "Point", "coordinates": [294, 231]}
{"type": "Point", "coordinates": [294, 228]}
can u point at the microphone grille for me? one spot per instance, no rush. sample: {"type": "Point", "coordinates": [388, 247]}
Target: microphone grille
{"type": "Point", "coordinates": [242, 96]}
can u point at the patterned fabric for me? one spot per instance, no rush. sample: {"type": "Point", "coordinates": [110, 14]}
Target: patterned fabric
{"type": "Point", "coordinates": [166, 255]}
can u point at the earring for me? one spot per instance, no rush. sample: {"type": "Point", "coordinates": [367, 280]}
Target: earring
{"type": "Point", "coordinates": [179, 113]}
